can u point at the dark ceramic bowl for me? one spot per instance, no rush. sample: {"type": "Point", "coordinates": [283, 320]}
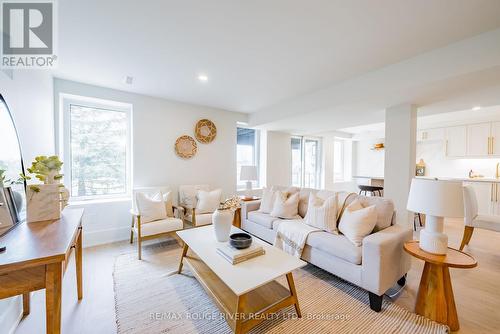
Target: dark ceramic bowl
{"type": "Point", "coordinates": [240, 240]}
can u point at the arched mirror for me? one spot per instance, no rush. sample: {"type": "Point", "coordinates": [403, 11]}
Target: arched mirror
{"type": "Point", "coordinates": [12, 186]}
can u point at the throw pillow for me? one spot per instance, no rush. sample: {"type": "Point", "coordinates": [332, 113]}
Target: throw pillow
{"type": "Point", "coordinates": [150, 209]}
{"type": "Point", "coordinates": [322, 213]}
{"type": "Point", "coordinates": [267, 201]}
{"type": "Point", "coordinates": [286, 207]}
{"type": "Point", "coordinates": [357, 222]}
{"type": "Point", "coordinates": [208, 201]}
{"type": "Point", "coordinates": [167, 198]}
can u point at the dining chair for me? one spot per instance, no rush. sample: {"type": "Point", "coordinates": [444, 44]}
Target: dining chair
{"type": "Point", "coordinates": [473, 219]}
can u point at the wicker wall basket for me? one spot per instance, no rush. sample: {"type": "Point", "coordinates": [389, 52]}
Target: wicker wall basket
{"type": "Point", "coordinates": [205, 131]}
{"type": "Point", "coordinates": [185, 147]}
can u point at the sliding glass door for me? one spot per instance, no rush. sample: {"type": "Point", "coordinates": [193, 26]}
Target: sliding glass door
{"type": "Point", "coordinates": [306, 162]}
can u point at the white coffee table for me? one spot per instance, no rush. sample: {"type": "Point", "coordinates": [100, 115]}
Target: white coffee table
{"type": "Point", "coordinates": [247, 291]}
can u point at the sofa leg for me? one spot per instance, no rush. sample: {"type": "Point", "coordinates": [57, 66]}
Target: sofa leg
{"type": "Point", "coordinates": [375, 301]}
{"type": "Point", "coordinates": [402, 281]}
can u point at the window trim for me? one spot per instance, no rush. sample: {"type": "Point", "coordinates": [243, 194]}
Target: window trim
{"type": "Point", "coordinates": [66, 100]}
{"type": "Point", "coordinates": [256, 157]}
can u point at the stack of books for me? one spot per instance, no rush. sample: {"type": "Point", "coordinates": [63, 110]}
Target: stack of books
{"type": "Point", "coordinates": [235, 256]}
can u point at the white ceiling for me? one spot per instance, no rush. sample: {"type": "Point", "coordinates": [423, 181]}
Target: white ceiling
{"type": "Point", "coordinates": [255, 53]}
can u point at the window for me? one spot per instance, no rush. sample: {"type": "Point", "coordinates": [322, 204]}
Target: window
{"type": "Point", "coordinates": [96, 148]}
{"type": "Point", "coordinates": [338, 161]}
{"type": "Point", "coordinates": [306, 162]}
{"type": "Point", "coordinates": [296, 161]}
{"type": "Point", "coordinates": [247, 153]}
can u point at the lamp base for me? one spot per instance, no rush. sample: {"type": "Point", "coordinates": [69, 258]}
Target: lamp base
{"type": "Point", "coordinates": [432, 238]}
{"type": "Point", "coordinates": [248, 192]}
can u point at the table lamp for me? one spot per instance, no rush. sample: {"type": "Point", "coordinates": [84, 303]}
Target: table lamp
{"type": "Point", "coordinates": [248, 174]}
{"type": "Point", "coordinates": [436, 199]}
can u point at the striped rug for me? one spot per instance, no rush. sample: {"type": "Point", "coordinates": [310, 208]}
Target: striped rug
{"type": "Point", "coordinates": [151, 298]}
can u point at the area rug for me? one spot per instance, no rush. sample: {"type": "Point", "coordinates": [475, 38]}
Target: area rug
{"type": "Point", "coordinates": [150, 297]}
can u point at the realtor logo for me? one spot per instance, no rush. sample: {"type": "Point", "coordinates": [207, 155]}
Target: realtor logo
{"type": "Point", "coordinates": [28, 34]}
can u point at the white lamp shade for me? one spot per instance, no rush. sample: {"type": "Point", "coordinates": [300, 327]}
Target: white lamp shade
{"type": "Point", "coordinates": [437, 198]}
{"type": "Point", "coordinates": [248, 173]}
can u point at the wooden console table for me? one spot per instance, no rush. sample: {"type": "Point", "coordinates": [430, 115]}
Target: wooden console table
{"type": "Point", "coordinates": [435, 298]}
{"type": "Point", "coordinates": [36, 258]}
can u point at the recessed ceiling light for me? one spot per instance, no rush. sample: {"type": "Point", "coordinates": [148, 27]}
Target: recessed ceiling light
{"type": "Point", "coordinates": [476, 108]}
{"type": "Point", "coordinates": [202, 77]}
{"type": "Point", "coordinates": [128, 80]}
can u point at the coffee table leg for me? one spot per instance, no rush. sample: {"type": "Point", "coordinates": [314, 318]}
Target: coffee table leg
{"type": "Point", "coordinates": [184, 252]}
{"type": "Point", "coordinates": [238, 328]}
{"type": "Point", "coordinates": [291, 286]}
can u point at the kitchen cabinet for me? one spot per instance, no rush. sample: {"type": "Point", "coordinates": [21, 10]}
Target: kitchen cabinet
{"type": "Point", "coordinates": [456, 141]}
{"type": "Point", "coordinates": [488, 197]}
{"type": "Point", "coordinates": [478, 139]}
{"type": "Point", "coordinates": [495, 138]}
{"type": "Point", "coordinates": [430, 134]}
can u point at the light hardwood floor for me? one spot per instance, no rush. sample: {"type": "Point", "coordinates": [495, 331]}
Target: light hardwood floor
{"type": "Point", "coordinates": [477, 291]}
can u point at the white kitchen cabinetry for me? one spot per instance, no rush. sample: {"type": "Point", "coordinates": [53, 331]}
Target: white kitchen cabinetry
{"type": "Point", "coordinates": [478, 139]}
{"type": "Point", "coordinates": [430, 134]}
{"type": "Point", "coordinates": [488, 197]}
{"type": "Point", "coordinates": [495, 137]}
{"type": "Point", "coordinates": [456, 141]}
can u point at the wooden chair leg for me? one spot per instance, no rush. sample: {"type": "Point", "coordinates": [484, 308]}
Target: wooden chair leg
{"type": "Point", "coordinates": [132, 231]}
{"type": "Point", "coordinates": [139, 241]}
{"type": "Point", "coordinates": [468, 230]}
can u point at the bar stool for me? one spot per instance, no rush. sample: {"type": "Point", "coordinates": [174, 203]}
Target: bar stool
{"type": "Point", "coordinates": [373, 190]}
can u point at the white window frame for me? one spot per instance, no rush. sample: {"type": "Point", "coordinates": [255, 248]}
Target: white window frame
{"type": "Point", "coordinates": [65, 102]}
{"type": "Point", "coordinates": [256, 157]}
{"type": "Point", "coordinates": [303, 162]}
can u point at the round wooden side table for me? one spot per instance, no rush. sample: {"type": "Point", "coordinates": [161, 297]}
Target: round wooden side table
{"type": "Point", "coordinates": [435, 295]}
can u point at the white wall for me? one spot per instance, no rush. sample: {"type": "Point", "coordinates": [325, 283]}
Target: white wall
{"type": "Point", "coordinates": [278, 159]}
{"type": "Point", "coordinates": [156, 125]}
{"type": "Point", "coordinates": [29, 96]}
{"type": "Point", "coordinates": [437, 165]}
{"type": "Point", "coordinates": [400, 142]}
{"type": "Point", "coordinates": [366, 161]}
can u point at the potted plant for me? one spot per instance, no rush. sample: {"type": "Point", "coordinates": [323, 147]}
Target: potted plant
{"type": "Point", "coordinates": [222, 218]}
{"type": "Point", "coordinates": [45, 201]}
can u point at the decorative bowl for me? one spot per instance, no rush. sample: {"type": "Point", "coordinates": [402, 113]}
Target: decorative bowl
{"type": "Point", "coordinates": [240, 240]}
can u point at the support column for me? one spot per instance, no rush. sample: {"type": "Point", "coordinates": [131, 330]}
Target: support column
{"type": "Point", "coordinates": [400, 157]}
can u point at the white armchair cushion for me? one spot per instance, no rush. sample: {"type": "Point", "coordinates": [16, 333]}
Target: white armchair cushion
{"type": "Point", "coordinates": [161, 226]}
{"type": "Point", "coordinates": [286, 208]}
{"type": "Point", "coordinates": [357, 222]}
{"type": "Point", "coordinates": [150, 209]}
{"type": "Point", "coordinates": [208, 201]}
{"type": "Point", "coordinates": [322, 213]}
{"type": "Point", "coordinates": [187, 194]}
{"type": "Point", "coordinates": [267, 201]}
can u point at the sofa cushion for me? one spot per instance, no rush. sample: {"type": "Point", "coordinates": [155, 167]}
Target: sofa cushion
{"type": "Point", "coordinates": [304, 200]}
{"type": "Point", "coordinates": [335, 245]}
{"type": "Point", "coordinates": [357, 222]}
{"type": "Point", "coordinates": [277, 222]}
{"type": "Point", "coordinates": [384, 208]}
{"type": "Point", "coordinates": [285, 206]}
{"type": "Point", "coordinates": [267, 201]}
{"type": "Point", "coordinates": [322, 214]}
{"type": "Point", "coordinates": [263, 219]}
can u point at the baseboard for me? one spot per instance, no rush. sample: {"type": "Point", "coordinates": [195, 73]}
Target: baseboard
{"type": "Point", "coordinates": [11, 315]}
{"type": "Point", "coordinates": [101, 237]}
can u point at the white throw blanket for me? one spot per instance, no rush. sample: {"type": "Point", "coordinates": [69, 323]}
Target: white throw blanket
{"type": "Point", "coordinates": [292, 235]}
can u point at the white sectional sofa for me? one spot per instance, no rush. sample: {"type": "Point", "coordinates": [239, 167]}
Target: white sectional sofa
{"type": "Point", "coordinates": [375, 266]}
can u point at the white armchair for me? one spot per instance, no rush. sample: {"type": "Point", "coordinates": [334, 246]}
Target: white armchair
{"type": "Point", "coordinates": [473, 219]}
{"type": "Point", "coordinates": [188, 201]}
{"type": "Point", "coordinates": [158, 227]}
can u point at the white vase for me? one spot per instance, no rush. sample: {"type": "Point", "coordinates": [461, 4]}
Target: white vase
{"type": "Point", "coordinates": [222, 221]}
{"type": "Point", "coordinates": [43, 202]}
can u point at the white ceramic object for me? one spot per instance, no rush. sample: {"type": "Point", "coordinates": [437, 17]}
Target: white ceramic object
{"type": "Point", "coordinates": [222, 221]}
{"type": "Point", "coordinates": [43, 204]}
